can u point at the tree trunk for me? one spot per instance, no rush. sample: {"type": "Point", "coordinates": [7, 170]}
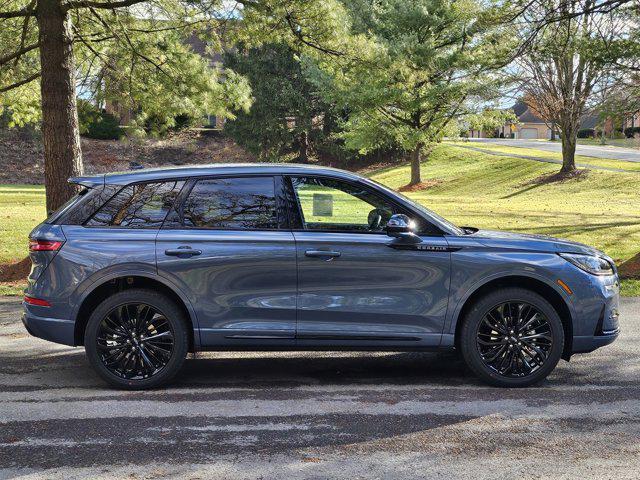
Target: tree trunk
{"type": "Point", "coordinates": [303, 153]}
{"type": "Point", "coordinates": [416, 157]}
{"type": "Point", "coordinates": [553, 132]}
{"type": "Point", "coordinates": [61, 138]}
{"type": "Point", "coordinates": [569, 140]}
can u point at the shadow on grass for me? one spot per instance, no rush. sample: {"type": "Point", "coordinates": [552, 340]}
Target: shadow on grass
{"type": "Point", "coordinates": [548, 179]}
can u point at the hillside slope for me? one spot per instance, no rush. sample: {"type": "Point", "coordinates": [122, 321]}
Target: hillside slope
{"type": "Point", "coordinates": [21, 160]}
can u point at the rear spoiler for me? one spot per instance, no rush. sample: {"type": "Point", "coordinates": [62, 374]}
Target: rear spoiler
{"type": "Point", "coordinates": [92, 181]}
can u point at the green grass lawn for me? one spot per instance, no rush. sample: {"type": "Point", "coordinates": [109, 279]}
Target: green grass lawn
{"type": "Point", "coordinates": [532, 152]}
{"type": "Point", "coordinates": [470, 188]}
{"type": "Point", "coordinates": [611, 142]}
{"type": "Point", "coordinates": [21, 209]}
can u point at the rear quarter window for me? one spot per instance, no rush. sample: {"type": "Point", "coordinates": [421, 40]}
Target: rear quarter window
{"type": "Point", "coordinates": [138, 206]}
{"type": "Point", "coordinates": [67, 206]}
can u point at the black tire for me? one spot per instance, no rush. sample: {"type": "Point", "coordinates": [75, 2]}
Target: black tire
{"type": "Point", "coordinates": [487, 331]}
{"type": "Point", "coordinates": [140, 314]}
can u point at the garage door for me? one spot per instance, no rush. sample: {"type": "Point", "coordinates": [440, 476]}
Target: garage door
{"type": "Point", "coordinates": [528, 133]}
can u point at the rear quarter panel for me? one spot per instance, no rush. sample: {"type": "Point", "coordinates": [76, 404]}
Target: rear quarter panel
{"type": "Point", "coordinates": [88, 258]}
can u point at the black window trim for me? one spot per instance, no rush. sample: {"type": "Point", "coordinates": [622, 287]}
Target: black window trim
{"type": "Point", "coordinates": [120, 188]}
{"type": "Point", "coordinates": [295, 216]}
{"type": "Point", "coordinates": [282, 221]}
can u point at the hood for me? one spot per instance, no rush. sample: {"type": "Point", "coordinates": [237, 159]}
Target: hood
{"type": "Point", "coordinates": [539, 243]}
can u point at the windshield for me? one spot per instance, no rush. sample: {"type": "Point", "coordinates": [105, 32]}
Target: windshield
{"type": "Point", "coordinates": [429, 213]}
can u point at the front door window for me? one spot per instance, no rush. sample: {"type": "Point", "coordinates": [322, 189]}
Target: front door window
{"type": "Point", "coordinates": [331, 205]}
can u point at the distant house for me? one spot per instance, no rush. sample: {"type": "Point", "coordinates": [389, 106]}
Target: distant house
{"type": "Point", "coordinates": [632, 120]}
{"type": "Point", "coordinates": [529, 125]}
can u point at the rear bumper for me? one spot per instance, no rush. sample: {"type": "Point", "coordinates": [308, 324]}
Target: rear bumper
{"type": "Point", "coordinates": [588, 344]}
{"type": "Point", "coordinates": [51, 329]}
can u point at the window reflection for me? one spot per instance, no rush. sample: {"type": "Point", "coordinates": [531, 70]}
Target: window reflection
{"type": "Point", "coordinates": [232, 203]}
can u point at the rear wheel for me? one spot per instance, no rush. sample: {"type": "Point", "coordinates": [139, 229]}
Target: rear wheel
{"type": "Point", "coordinates": [137, 339]}
{"type": "Point", "coordinates": [512, 338]}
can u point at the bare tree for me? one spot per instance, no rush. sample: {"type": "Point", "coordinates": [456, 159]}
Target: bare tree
{"type": "Point", "coordinates": [566, 61]}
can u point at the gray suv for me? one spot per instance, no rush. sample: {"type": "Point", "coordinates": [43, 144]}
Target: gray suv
{"type": "Point", "coordinates": [142, 267]}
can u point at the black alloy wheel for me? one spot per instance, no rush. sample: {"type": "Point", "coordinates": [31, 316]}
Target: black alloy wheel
{"type": "Point", "coordinates": [514, 339]}
{"type": "Point", "coordinates": [511, 337]}
{"type": "Point", "coordinates": [137, 339]}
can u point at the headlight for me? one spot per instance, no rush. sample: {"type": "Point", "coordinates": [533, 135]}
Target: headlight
{"type": "Point", "coordinates": [589, 263]}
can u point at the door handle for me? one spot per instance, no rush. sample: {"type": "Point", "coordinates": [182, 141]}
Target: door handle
{"type": "Point", "coordinates": [326, 254]}
{"type": "Point", "coordinates": [182, 252]}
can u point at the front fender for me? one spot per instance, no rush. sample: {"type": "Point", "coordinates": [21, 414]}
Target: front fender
{"type": "Point", "coordinates": [472, 270]}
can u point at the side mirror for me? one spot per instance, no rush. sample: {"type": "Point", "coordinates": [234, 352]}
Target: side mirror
{"type": "Point", "coordinates": [401, 226]}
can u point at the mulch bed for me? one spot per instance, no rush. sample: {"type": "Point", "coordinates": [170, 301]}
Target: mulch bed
{"type": "Point", "coordinates": [14, 272]}
{"type": "Point", "coordinates": [21, 153]}
{"type": "Point", "coordinates": [420, 186]}
{"type": "Point", "coordinates": [630, 268]}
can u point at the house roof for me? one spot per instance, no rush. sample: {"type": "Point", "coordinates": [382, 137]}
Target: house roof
{"type": "Point", "coordinates": [529, 117]}
{"type": "Point", "coordinates": [519, 108]}
{"type": "Point", "coordinates": [525, 114]}
{"type": "Point", "coordinates": [589, 121]}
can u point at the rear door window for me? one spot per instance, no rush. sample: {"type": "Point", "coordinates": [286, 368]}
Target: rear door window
{"type": "Point", "coordinates": [243, 203]}
{"type": "Point", "coordinates": [142, 205]}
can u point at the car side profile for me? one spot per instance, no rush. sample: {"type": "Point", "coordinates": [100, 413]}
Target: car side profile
{"type": "Point", "coordinates": [145, 266]}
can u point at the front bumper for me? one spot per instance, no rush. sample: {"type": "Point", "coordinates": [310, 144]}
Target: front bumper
{"type": "Point", "coordinates": [51, 329]}
{"type": "Point", "coordinates": [586, 344]}
{"type": "Point", "coordinates": [599, 314]}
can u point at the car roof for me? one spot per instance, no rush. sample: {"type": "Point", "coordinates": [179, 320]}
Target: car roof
{"type": "Point", "coordinates": [151, 174]}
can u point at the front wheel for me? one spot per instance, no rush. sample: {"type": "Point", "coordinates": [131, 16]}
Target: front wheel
{"type": "Point", "coordinates": [137, 339]}
{"type": "Point", "coordinates": [512, 338]}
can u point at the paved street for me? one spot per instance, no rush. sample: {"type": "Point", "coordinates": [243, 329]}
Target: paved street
{"type": "Point", "coordinates": [598, 151]}
{"type": "Point", "coordinates": [317, 415]}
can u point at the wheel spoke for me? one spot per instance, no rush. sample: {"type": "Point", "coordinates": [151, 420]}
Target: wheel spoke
{"type": "Point", "coordinates": [157, 336]}
{"type": "Point", "coordinates": [537, 349]}
{"type": "Point", "coordinates": [529, 323]}
{"type": "Point", "coordinates": [496, 342]}
{"type": "Point", "coordinates": [158, 349]}
{"type": "Point", "coordinates": [494, 325]}
{"type": "Point", "coordinates": [543, 336]}
{"type": "Point", "coordinates": [522, 315]}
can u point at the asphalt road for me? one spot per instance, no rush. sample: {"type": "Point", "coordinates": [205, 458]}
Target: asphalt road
{"type": "Point", "coordinates": [317, 415]}
{"type": "Point", "coordinates": [598, 151]}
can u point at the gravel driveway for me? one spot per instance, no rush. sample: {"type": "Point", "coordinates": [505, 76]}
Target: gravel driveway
{"type": "Point", "coordinates": [598, 151]}
{"type": "Point", "coordinates": [317, 415]}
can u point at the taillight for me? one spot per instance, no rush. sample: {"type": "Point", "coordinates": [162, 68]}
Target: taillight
{"type": "Point", "coordinates": [36, 301]}
{"type": "Point", "coordinates": [44, 245]}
